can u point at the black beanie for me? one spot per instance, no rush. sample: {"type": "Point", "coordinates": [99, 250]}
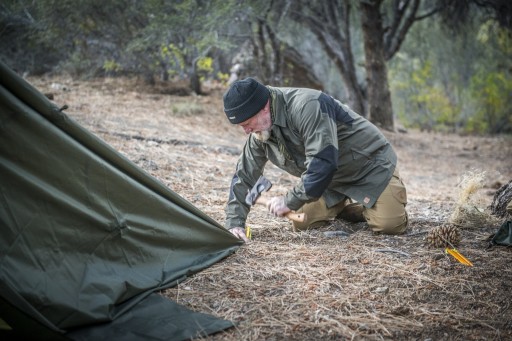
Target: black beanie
{"type": "Point", "coordinates": [244, 99]}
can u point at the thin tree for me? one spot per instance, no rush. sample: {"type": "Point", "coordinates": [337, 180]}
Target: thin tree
{"type": "Point", "coordinates": [384, 29]}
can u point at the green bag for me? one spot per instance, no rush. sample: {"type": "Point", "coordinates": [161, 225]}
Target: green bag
{"type": "Point", "coordinates": [504, 235]}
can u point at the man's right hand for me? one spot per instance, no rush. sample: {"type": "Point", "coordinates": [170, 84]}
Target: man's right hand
{"type": "Point", "coordinates": [239, 233]}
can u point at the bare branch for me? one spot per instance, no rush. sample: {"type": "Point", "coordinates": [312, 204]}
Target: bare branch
{"type": "Point", "coordinates": [407, 18]}
{"type": "Point", "coordinates": [430, 13]}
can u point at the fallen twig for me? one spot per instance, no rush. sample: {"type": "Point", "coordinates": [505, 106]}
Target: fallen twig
{"type": "Point", "coordinates": [393, 250]}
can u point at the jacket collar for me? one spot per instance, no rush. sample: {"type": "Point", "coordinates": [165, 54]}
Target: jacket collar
{"type": "Point", "coordinates": [277, 107]}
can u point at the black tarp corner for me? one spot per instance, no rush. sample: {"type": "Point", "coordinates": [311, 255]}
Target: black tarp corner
{"type": "Point", "coordinates": [87, 238]}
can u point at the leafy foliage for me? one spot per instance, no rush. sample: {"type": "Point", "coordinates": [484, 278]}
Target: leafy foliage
{"type": "Point", "coordinates": [429, 107]}
{"type": "Point", "coordinates": [93, 37]}
{"type": "Point", "coordinates": [492, 93]}
{"type": "Point", "coordinates": [439, 80]}
{"type": "Point", "coordinates": [459, 86]}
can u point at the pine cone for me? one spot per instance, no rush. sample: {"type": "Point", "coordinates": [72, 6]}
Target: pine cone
{"type": "Point", "coordinates": [441, 236]}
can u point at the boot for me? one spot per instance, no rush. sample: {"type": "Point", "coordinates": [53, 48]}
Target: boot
{"type": "Point", "coordinates": [353, 213]}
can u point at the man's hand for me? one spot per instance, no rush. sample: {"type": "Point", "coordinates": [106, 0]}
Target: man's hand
{"type": "Point", "coordinates": [239, 233]}
{"type": "Point", "coordinates": [277, 206]}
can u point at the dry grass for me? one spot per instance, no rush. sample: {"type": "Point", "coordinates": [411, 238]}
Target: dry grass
{"type": "Point", "coordinates": [305, 286]}
{"type": "Point", "coordinates": [471, 210]}
{"type": "Point", "coordinates": [290, 286]}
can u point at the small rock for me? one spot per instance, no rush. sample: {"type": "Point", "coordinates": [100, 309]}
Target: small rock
{"type": "Point", "coordinates": [336, 234]}
{"type": "Point", "coordinates": [382, 290]}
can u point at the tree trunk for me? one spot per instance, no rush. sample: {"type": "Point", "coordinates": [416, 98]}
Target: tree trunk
{"type": "Point", "coordinates": [329, 21]}
{"type": "Point", "coordinates": [195, 82]}
{"type": "Point", "coordinates": [380, 110]}
{"type": "Point", "coordinates": [501, 201]}
{"type": "Point", "coordinates": [353, 90]}
{"type": "Point", "coordinates": [276, 76]}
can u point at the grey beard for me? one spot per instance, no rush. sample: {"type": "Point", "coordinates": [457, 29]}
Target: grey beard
{"type": "Point", "coordinates": [262, 135]}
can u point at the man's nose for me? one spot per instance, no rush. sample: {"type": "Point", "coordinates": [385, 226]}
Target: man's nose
{"type": "Point", "coordinates": [247, 130]}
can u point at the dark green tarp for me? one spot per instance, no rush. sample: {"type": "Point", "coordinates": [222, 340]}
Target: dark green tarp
{"type": "Point", "coordinates": [504, 234]}
{"type": "Point", "coordinates": [87, 238]}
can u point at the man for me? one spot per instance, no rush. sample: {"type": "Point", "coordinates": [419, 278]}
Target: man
{"type": "Point", "coordinates": [337, 154]}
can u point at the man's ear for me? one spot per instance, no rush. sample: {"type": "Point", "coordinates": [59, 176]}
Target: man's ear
{"type": "Point", "coordinates": [266, 108]}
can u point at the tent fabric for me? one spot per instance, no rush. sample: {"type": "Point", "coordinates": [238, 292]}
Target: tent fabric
{"type": "Point", "coordinates": [86, 236]}
{"type": "Point", "coordinates": [504, 234]}
{"type": "Point", "coordinates": [25, 323]}
{"type": "Point", "coordinates": [141, 323]}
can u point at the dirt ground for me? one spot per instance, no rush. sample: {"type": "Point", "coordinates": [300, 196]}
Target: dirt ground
{"type": "Point", "coordinates": [303, 286]}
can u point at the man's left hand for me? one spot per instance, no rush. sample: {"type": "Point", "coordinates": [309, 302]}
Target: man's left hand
{"type": "Point", "coordinates": [239, 232]}
{"type": "Point", "coordinates": [277, 206]}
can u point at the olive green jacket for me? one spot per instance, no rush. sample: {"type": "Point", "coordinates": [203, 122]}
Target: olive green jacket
{"type": "Point", "coordinates": [335, 152]}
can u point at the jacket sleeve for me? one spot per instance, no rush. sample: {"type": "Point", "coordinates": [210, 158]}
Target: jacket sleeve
{"type": "Point", "coordinates": [249, 168]}
{"type": "Point", "coordinates": [318, 131]}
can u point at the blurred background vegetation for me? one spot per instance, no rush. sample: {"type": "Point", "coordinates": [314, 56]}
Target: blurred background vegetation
{"type": "Point", "coordinates": [437, 65]}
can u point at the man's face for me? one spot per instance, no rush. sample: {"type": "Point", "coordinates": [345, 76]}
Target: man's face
{"type": "Point", "coordinates": [259, 124]}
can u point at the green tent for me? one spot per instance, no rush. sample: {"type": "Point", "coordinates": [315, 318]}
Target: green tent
{"type": "Point", "coordinates": [87, 238]}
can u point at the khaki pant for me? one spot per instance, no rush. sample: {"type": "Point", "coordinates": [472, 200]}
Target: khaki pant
{"type": "Point", "coordinates": [388, 214]}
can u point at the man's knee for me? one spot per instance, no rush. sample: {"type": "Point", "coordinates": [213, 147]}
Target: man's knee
{"type": "Point", "coordinates": [388, 215]}
{"type": "Point", "coordinates": [388, 225]}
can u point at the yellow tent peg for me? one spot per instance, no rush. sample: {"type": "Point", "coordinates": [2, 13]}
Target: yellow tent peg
{"type": "Point", "coordinates": [456, 254]}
